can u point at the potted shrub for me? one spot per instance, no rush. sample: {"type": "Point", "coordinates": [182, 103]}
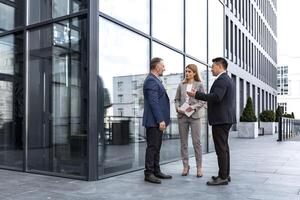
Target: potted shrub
{"type": "Point", "coordinates": [267, 121]}
{"type": "Point", "coordinates": [248, 125]}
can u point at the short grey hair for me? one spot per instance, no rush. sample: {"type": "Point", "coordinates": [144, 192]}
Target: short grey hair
{"type": "Point", "coordinates": [154, 61]}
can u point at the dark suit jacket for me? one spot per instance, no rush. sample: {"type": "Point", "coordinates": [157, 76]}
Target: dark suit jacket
{"type": "Point", "coordinates": [156, 102]}
{"type": "Point", "coordinates": [220, 101]}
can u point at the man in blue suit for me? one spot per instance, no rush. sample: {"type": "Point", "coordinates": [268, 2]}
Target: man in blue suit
{"type": "Point", "coordinates": [221, 115]}
{"type": "Point", "coordinates": [155, 119]}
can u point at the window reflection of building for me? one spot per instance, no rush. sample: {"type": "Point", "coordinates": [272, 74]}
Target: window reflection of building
{"type": "Point", "coordinates": [56, 109]}
{"type": "Point", "coordinates": [40, 10]}
{"type": "Point", "coordinates": [129, 94]}
{"type": "Point", "coordinates": [12, 14]}
{"type": "Point", "coordinates": [11, 101]}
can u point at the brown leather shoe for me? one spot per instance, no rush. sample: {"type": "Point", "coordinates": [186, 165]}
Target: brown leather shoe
{"type": "Point", "coordinates": [185, 171]}
{"type": "Point", "coordinates": [218, 182]}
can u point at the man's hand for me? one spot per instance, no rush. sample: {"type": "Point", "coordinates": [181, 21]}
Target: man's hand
{"type": "Point", "coordinates": [162, 126]}
{"type": "Point", "coordinates": [192, 93]}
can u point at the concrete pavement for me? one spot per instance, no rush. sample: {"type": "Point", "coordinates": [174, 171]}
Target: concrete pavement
{"type": "Point", "coordinates": [261, 169]}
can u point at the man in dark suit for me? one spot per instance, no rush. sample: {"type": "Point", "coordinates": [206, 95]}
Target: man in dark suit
{"type": "Point", "coordinates": [155, 119]}
{"type": "Point", "coordinates": [221, 115]}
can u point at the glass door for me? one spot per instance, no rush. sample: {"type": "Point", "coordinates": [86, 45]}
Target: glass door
{"type": "Point", "coordinates": [11, 101]}
{"type": "Point", "coordinates": [57, 136]}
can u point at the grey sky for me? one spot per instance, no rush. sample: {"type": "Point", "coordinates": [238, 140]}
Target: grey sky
{"type": "Point", "coordinates": [288, 33]}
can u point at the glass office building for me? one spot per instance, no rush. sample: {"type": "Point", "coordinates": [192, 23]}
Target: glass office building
{"type": "Point", "coordinates": [251, 49]}
{"type": "Point", "coordinates": [71, 76]}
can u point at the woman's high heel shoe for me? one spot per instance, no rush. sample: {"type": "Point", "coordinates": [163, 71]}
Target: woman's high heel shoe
{"type": "Point", "coordinates": [199, 172]}
{"type": "Point", "coordinates": [185, 171]}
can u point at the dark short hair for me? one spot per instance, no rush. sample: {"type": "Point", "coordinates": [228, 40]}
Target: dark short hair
{"type": "Point", "coordinates": [221, 61]}
{"type": "Point", "coordinates": [154, 62]}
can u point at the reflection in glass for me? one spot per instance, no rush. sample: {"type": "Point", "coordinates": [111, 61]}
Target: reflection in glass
{"type": "Point", "coordinates": [168, 22]}
{"type": "Point", "coordinates": [215, 27]}
{"type": "Point", "coordinates": [57, 140]}
{"type": "Point", "coordinates": [196, 37]}
{"type": "Point", "coordinates": [11, 101]}
{"type": "Point", "coordinates": [12, 15]}
{"type": "Point", "coordinates": [138, 16]}
{"type": "Point", "coordinates": [211, 80]}
{"type": "Point", "coordinates": [40, 10]}
{"type": "Point", "coordinates": [123, 65]}
{"type": "Point", "coordinates": [172, 77]}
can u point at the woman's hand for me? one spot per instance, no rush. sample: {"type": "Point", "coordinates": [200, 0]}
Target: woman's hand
{"type": "Point", "coordinates": [179, 111]}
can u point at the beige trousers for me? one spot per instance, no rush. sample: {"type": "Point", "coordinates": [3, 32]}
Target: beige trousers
{"type": "Point", "coordinates": [184, 124]}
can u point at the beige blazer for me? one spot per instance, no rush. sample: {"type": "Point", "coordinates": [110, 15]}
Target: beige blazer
{"type": "Point", "coordinates": [180, 98]}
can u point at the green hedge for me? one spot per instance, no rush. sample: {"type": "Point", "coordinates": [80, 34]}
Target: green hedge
{"type": "Point", "coordinates": [267, 116]}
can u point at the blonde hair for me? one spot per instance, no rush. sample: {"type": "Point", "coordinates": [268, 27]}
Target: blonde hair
{"type": "Point", "coordinates": [194, 68]}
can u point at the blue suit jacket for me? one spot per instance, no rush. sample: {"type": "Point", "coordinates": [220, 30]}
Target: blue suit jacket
{"type": "Point", "coordinates": [156, 102]}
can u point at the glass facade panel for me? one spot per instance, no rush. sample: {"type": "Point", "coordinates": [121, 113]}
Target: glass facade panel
{"type": "Point", "coordinates": [122, 72]}
{"type": "Point", "coordinates": [168, 22]}
{"type": "Point", "coordinates": [215, 29]}
{"type": "Point", "coordinates": [57, 81]}
{"type": "Point", "coordinates": [211, 80]}
{"type": "Point", "coordinates": [171, 78]}
{"type": "Point", "coordinates": [11, 101]}
{"type": "Point", "coordinates": [40, 10]}
{"type": "Point", "coordinates": [196, 33]}
{"type": "Point", "coordinates": [12, 15]}
{"type": "Point", "coordinates": [57, 137]}
{"type": "Point", "coordinates": [139, 19]}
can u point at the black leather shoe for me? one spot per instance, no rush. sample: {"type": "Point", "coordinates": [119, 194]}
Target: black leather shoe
{"type": "Point", "coordinates": [215, 177]}
{"type": "Point", "coordinates": [217, 182]}
{"type": "Point", "coordinates": [152, 179]}
{"type": "Point", "coordinates": [163, 176]}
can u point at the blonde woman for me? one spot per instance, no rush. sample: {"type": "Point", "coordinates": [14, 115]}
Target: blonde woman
{"type": "Point", "coordinates": [188, 109]}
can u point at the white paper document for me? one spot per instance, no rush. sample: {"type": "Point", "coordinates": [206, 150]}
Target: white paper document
{"type": "Point", "coordinates": [183, 108]}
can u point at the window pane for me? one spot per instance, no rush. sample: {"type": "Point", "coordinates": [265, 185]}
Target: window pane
{"type": "Point", "coordinates": [57, 138]}
{"type": "Point", "coordinates": [12, 15]}
{"type": "Point", "coordinates": [11, 101]}
{"type": "Point", "coordinates": [216, 14]}
{"type": "Point", "coordinates": [40, 10]}
{"type": "Point", "coordinates": [173, 60]}
{"type": "Point", "coordinates": [196, 28]}
{"type": "Point", "coordinates": [124, 64]}
{"type": "Point", "coordinates": [172, 77]}
{"type": "Point", "coordinates": [168, 22]}
{"type": "Point", "coordinates": [132, 12]}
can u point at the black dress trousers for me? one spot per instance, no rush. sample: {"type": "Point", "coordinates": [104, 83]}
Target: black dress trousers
{"type": "Point", "coordinates": [220, 137]}
{"type": "Point", "coordinates": [154, 141]}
